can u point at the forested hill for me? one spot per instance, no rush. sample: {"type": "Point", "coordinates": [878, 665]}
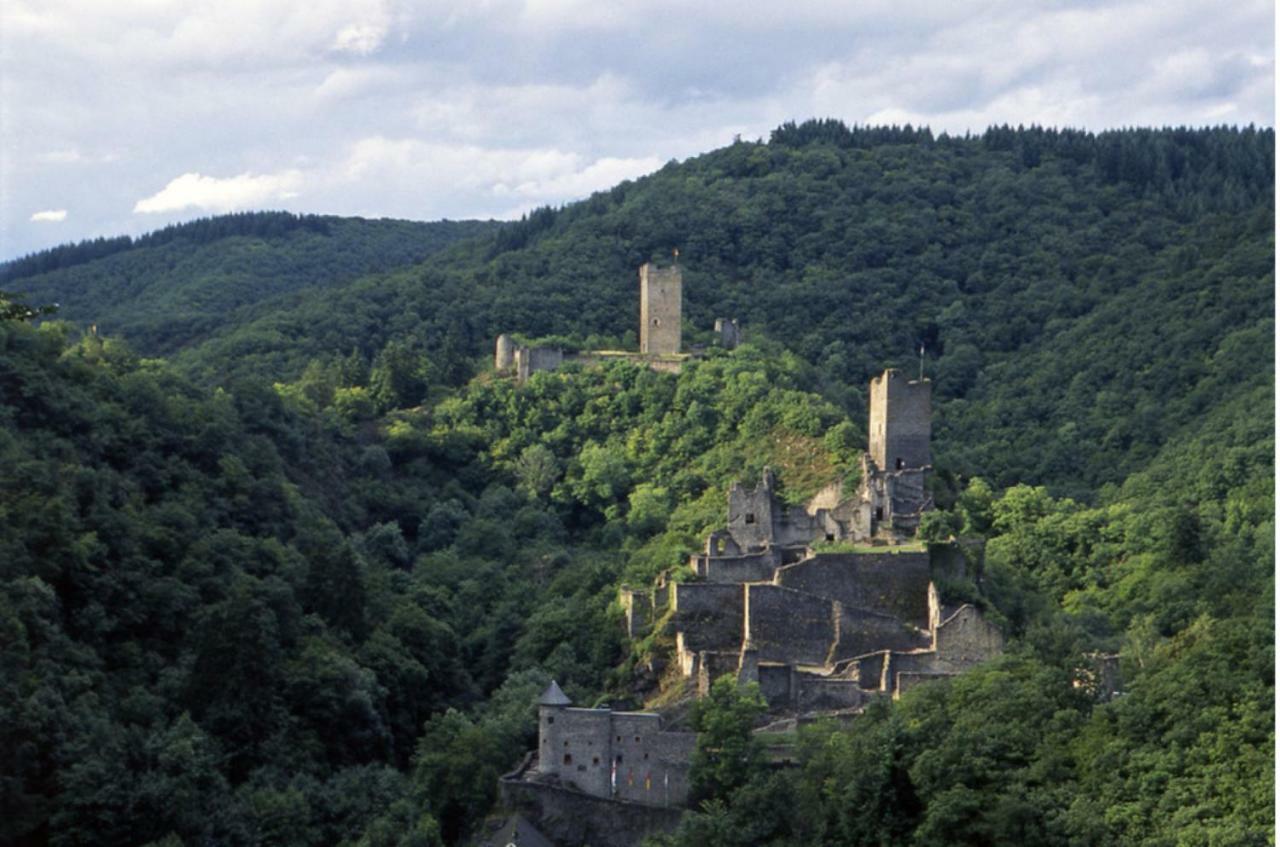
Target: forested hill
{"type": "Point", "coordinates": [300, 584]}
{"type": "Point", "coordinates": [175, 286]}
{"type": "Point", "coordinates": [1081, 297]}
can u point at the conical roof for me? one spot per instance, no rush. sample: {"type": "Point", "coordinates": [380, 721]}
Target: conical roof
{"type": "Point", "coordinates": [553, 696]}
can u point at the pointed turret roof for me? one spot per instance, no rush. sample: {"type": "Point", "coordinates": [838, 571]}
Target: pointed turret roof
{"type": "Point", "coordinates": [553, 696]}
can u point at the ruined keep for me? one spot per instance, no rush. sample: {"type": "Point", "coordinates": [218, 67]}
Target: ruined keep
{"type": "Point", "coordinates": [826, 629]}
{"type": "Point", "coordinates": [899, 429]}
{"type": "Point", "coordinates": [661, 297]}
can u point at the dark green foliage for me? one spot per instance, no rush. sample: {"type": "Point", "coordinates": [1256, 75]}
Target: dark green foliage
{"type": "Point", "coordinates": [302, 583]}
{"type": "Point", "coordinates": [174, 287]}
{"type": "Point", "coordinates": [727, 754]}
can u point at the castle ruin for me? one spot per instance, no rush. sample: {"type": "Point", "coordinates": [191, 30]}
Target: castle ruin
{"type": "Point", "coordinates": [661, 295]}
{"type": "Point", "coordinates": [661, 339]}
{"type": "Point", "coordinates": [827, 606]}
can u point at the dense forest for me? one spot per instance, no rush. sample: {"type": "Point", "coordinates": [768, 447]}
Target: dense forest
{"type": "Point", "coordinates": [281, 561]}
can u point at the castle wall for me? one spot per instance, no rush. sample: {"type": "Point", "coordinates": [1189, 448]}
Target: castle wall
{"type": "Point", "coordinates": [751, 515]}
{"type": "Point", "coordinates": [775, 685]}
{"type": "Point", "coordinates": [660, 309]}
{"type": "Point", "coordinates": [581, 756]}
{"type": "Point", "coordinates": [862, 631]}
{"type": "Point", "coordinates": [753, 567]}
{"type": "Point", "coordinates": [530, 360]}
{"type": "Point", "coordinates": [966, 638]}
{"type": "Point", "coordinates": [899, 425]}
{"type": "Point", "coordinates": [817, 693]}
{"type": "Point", "coordinates": [713, 664]}
{"type": "Point", "coordinates": [708, 616]}
{"type": "Point", "coordinates": [895, 584]}
{"type": "Point", "coordinates": [783, 625]}
{"type": "Point", "coordinates": [637, 611]}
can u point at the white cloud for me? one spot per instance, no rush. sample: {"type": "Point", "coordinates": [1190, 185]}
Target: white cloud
{"type": "Point", "coordinates": [360, 38]}
{"type": "Point", "coordinates": [194, 191]}
{"type": "Point", "coordinates": [50, 216]}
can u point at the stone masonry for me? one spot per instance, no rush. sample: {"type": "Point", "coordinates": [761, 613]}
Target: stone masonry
{"type": "Point", "coordinates": [622, 755]}
{"type": "Point", "coordinates": [660, 309]}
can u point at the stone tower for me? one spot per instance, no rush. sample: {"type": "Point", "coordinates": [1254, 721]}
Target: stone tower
{"type": "Point", "coordinates": [899, 426]}
{"type": "Point", "coordinates": [660, 296]}
{"type": "Point", "coordinates": [504, 355]}
{"type": "Point", "coordinates": [551, 705]}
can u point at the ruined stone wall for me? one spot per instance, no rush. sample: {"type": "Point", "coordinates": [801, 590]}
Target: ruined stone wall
{"type": "Point", "coordinates": [530, 360]}
{"type": "Point", "coordinates": [895, 584]}
{"type": "Point", "coordinates": [727, 333]}
{"type": "Point", "coordinates": [661, 292]}
{"type": "Point", "coordinates": [751, 515]}
{"type": "Point", "coordinates": [708, 616]}
{"type": "Point", "coordinates": [862, 631]}
{"type": "Point", "coordinates": [816, 693]}
{"type": "Point", "coordinates": [788, 626]}
{"type": "Point", "coordinates": [775, 685]}
{"type": "Point", "coordinates": [714, 664]}
{"type": "Point", "coordinates": [753, 567]}
{"type": "Point", "coordinates": [899, 425]}
{"type": "Point", "coordinates": [794, 525]}
{"type": "Point", "coordinates": [966, 638]}
{"type": "Point", "coordinates": [637, 610]}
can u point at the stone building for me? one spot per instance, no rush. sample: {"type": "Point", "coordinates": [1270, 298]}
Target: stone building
{"type": "Point", "coordinates": [626, 756]}
{"type": "Point", "coordinates": [661, 295]}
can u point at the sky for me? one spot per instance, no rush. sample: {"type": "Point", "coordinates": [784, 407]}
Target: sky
{"type": "Point", "coordinates": [122, 116]}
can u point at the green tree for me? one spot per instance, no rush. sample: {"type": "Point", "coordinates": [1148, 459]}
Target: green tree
{"type": "Point", "coordinates": [727, 752]}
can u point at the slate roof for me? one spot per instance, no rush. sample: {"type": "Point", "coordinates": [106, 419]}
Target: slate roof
{"type": "Point", "coordinates": [553, 696]}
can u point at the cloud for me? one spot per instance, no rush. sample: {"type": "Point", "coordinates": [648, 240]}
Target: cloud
{"type": "Point", "coordinates": [535, 176]}
{"type": "Point", "coordinates": [446, 108]}
{"type": "Point", "coordinates": [50, 216]}
{"type": "Point", "coordinates": [194, 191]}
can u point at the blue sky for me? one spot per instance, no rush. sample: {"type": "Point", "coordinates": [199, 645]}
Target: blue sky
{"type": "Point", "coordinates": [121, 116]}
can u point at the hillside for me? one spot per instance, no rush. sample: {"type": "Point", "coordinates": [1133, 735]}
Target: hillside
{"type": "Point", "coordinates": [174, 287]}
{"type": "Point", "coordinates": [1048, 274]}
{"type": "Point", "coordinates": [301, 581]}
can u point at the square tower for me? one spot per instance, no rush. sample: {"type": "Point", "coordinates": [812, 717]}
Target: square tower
{"type": "Point", "coordinates": [660, 296]}
{"type": "Point", "coordinates": [899, 426]}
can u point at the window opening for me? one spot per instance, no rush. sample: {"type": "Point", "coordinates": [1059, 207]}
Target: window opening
{"type": "Point", "coordinates": [751, 517]}
{"type": "Point", "coordinates": [568, 759]}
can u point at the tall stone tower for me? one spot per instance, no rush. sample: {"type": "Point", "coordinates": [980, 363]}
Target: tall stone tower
{"type": "Point", "coordinates": [661, 290]}
{"type": "Point", "coordinates": [899, 425]}
{"type": "Point", "coordinates": [551, 705]}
